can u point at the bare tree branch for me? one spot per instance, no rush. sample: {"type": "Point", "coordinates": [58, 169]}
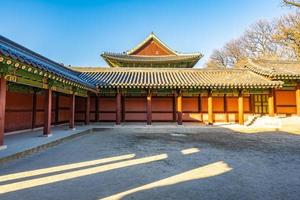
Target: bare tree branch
{"type": "Point", "coordinates": [291, 3]}
{"type": "Point", "coordinates": [261, 40]}
{"type": "Point", "coordinates": [288, 32]}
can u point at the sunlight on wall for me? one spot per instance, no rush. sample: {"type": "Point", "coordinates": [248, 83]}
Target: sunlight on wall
{"type": "Point", "coordinates": [195, 116]}
{"type": "Point", "coordinates": [79, 173]}
{"type": "Point", "coordinates": [206, 171]}
{"type": "Point", "coordinates": [63, 167]}
{"type": "Point", "coordinates": [189, 151]}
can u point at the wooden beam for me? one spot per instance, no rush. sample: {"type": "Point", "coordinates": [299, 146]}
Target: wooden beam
{"type": "Point", "coordinates": [87, 109]}
{"type": "Point", "coordinates": [298, 99]}
{"type": "Point", "coordinates": [271, 103]}
{"type": "Point", "coordinates": [118, 109]}
{"type": "Point", "coordinates": [241, 108]}
{"type": "Point", "coordinates": [47, 112]}
{"type": "Point", "coordinates": [2, 110]}
{"type": "Point", "coordinates": [72, 112]}
{"type": "Point", "coordinates": [179, 108]}
{"type": "Point", "coordinates": [210, 108]}
{"type": "Point", "coordinates": [149, 108]}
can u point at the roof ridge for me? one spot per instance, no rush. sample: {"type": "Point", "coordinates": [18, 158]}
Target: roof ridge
{"type": "Point", "coordinates": [147, 39]}
{"type": "Point", "coordinates": [150, 69]}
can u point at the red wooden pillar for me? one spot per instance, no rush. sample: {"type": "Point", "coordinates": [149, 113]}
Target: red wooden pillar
{"type": "Point", "coordinates": [149, 109]}
{"type": "Point", "coordinates": [175, 107]}
{"type": "Point", "coordinates": [241, 108]}
{"type": "Point", "coordinates": [200, 107]}
{"type": "Point", "coordinates": [179, 109]}
{"type": "Point", "coordinates": [298, 99]}
{"type": "Point", "coordinates": [72, 111]}
{"type": "Point", "coordinates": [87, 110]}
{"type": "Point", "coordinates": [118, 109]}
{"type": "Point", "coordinates": [271, 103]}
{"type": "Point", "coordinates": [210, 108]}
{"type": "Point", "coordinates": [2, 110]}
{"type": "Point", "coordinates": [47, 112]}
{"type": "Point", "coordinates": [225, 108]}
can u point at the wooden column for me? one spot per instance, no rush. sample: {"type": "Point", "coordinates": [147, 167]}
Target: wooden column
{"type": "Point", "coordinates": [241, 108]}
{"type": "Point", "coordinates": [179, 108]}
{"type": "Point", "coordinates": [149, 109]}
{"type": "Point", "coordinates": [33, 122]}
{"type": "Point", "coordinates": [225, 108]}
{"type": "Point", "coordinates": [271, 103]}
{"type": "Point", "coordinates": [210, 108]}
{"type": "Point", "coordinates": [87, 110]}
{"type": "Point", "coordinates": [175, 107]}
{"type": "Point", "coordinates": [2, 110]}
{"type": "Point", "coordinates": [200, 107]}
{"type": "Point", "coordinates": [298, 99]}
{"type": "Point", "coordinates": [96, 108]}
{"type": "Point", "coordinates": [47, 112]}
{"type": "Point", "coordinates": [118, 110]}
{"type": "Point", "coordinates": [72, 112]}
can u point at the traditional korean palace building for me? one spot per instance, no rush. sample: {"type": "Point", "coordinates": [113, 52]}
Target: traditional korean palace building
{"type": "Point", "coordinates": [150, 83]}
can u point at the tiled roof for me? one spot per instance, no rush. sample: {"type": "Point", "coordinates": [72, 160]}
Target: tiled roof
{"type": "Point", "coordinates": [19, 53]}
{"type": "Point", "coordinates": [191, 59]}
{"type": "Point", "coordinates": [275, 69]}
{"type": "Point", "coordinates": [175, 78]}
{"type": "Point", "coordinates": [138, 58]}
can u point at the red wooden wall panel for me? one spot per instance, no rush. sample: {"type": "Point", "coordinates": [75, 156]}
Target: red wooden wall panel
{"type": "Point", "coordinates": [107, 116]}
{"type": "Point", "coordinates": [218, 104]}
{"type": "Point", "coordinates": [135, 108]}
{"type": "Point", "coordinates": [285, 101]}
{"type": "Point", "coordinates": [107, 104]}
{"type": "Point", "coordinates": [80, 105]}
{"type": "Point", "coordinates": [162, 108]}
{"type": "Point", "coordinates": [135, 104]}
{"type": "Point", "coordinates": [162, 104]}
{"type": "Point", "coordinates": [190, 104]}
{"type": "Point", "coordinates": [18, 113]}
{"type": "Point", "coordinates": [204, 103]}
{"type": "Point", "coordinates": [64, 109]}
{"type": "Point", "coordinates": [92, 103]}
{"type": "Point", "coordinates": [136, 116]}
{"type": "Point", "coordinates": [107, 108]}
{"type": "Point", "coordinates": [162, 116]}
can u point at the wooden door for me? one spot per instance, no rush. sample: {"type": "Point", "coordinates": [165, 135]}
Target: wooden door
{"type": "Point", "coordinates": [260, 103]}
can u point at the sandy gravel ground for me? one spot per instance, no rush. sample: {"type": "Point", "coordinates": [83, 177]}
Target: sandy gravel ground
{"type": "Point", "coordinates": [204, 163]}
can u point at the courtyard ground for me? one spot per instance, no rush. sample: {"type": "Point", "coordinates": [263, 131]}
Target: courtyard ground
{"type": "Point", "coordinates": [162, 163]}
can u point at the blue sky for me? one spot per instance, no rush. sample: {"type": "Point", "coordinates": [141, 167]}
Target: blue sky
{"type": "Point", "coordinates": [76, 32]}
